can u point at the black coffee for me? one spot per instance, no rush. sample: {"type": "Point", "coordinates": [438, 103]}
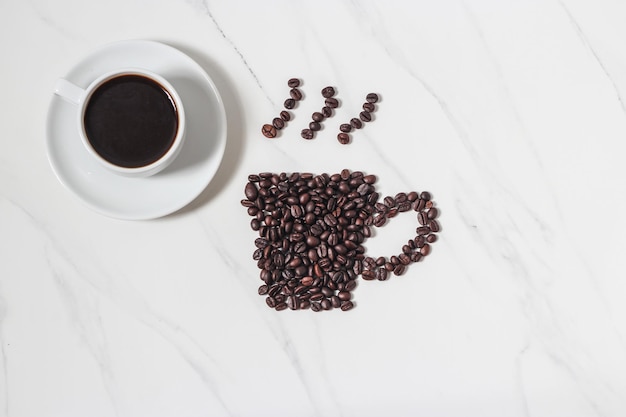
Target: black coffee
{"type": "Point", "coordinates": [131, 121]}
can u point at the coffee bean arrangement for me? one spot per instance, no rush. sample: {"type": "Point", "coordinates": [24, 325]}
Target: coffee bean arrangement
{"type": "Point", "coordinates": [330, 103]}
{"type": "Point", "coordinates": [415, 249]}
{"type": "Point", "coordinates": [369, 107]}
{"type": "Point", "coordinates": [278, 123]}
{"type": "Point", "coordinates": [311, 233]}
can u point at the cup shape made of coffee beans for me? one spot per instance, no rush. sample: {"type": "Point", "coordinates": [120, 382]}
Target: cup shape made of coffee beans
{"type": "Point", "coordinates": [311, 231]}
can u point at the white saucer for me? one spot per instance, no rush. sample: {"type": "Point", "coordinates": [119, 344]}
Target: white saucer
{"type": "Point", "coordinates": [176, 186]}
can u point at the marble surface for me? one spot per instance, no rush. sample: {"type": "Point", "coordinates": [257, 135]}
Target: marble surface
{"type": "Point", "coordinates": [512, 113]}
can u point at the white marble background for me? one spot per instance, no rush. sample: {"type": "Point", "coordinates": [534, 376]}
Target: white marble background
{"type": "Point", "coordinates": [512, 113]}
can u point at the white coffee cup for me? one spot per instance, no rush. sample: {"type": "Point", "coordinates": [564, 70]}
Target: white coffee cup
{"type": "Point", "coordinates": [133, 133]}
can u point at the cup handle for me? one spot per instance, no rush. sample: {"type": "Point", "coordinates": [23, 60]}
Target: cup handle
{"type": "Point", "coordinates": [69, 91]}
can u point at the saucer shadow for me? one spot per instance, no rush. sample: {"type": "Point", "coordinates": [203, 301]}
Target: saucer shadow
{"type": "Point", "coordinates": [234, 131]}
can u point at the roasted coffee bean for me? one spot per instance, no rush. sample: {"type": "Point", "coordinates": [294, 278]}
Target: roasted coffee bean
{"type": "Point", "coordinates": [389, 201]}
{"type": "Point", "coordinates": [369, 107]}
{"type": "Point", "coordinates": [307, 134]}
{"type": "Point", "coordinates": [350, 285]}
{"type": "Point", "coordinates": [281, 306]}
{"type": "Point", "coordinates": [365, 116]}
{"type": "Point", "coordinates": [314, 126]}
{"type": "Point", "coordinates": [332, 102]}
{"type": "Point", "coordinates": [382, 274]}
{"type": "Point", "coordinates": [404, 206]}
{"type": "Point", "coordinates": [372, 98]}
{"type": "Point", "coordinates": [433, 225]}
{"type": "Point", "coordinates": [335, 301]}
{"type": "Point", "coordinates": [327, 111]}
{"type": "Point", "coordinates": [425, 195]}
{"type": "Point", "coordinates": [251, 191]}
{"type": "Point", "coordinates": [263, 289]}
{"type": "Point", "coordinates": [399, 269]}
{"type": "Point", "coordinates": [433, 213]}
{"type": "Point", "coordinates": [404, 259]}
{"type": "Point", "coordinates": [343, 138]}
{"type": "Point", "coordinates": [356, 123]}
{"type": "Point", "coordinates": [271, 302]}
{"type": "Point", "coordinates": [412, 196]}
{"type": "Point", "coordinates": [289, 103]}
{"type": "Point", "coordinates": [431, 238]}
{"type": "Point", "coordinates": [278, 123]}
{"type": "Point", "coordinates": [268, 131]}
{"type": "Point", "coordinates": [295, 94]}
{"type": "Point", "coordinates": [344, 295]}
{"type": "Point", "coordinates": [425, 250]}
{"type": "Point", "coordinates": [328, 92]}
{"type": "Point", "coordinates": [347, 305]}
{"type": "Point", "coordinates": [368, 275]}
{"type": "Point", "coordinates": [422, 218]}
{"type": "Point", "coordinates": [316, 307]}
{"type": "Point", "coordinates": [307, 281]}
{"type": "Point", "coordinates": [317, 117]}
{"type": "Point", "coordinates": [422, 230]}
{"type": "Point", "coordinates": [293, 82]}
{"type": "Point", "coordinates": [345, 127]}
{"type": "Point", "coordinates": [326, 304]}
{"type": "Point", "coordinates": [285, 115]}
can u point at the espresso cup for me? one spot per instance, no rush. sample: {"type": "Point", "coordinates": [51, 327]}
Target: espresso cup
{"type": "Point", "coordinates": [131, 120]}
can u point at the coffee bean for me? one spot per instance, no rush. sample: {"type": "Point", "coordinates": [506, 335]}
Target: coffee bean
{"type": "Point", "coordinates": [433, 213]}
{"type": "Point", "coordinates": [332, 102]}
{"type": "Point", "coordinates": [251, 191]}
{"type": "Point", "coordinates": [278, 123]}
{"type": "Point", "coordinates": [369, 107]}
{"type": "Point", "coordinates": [343, 138]}
{"type": "Point", "coordinates": [425, 250]}
{"type": "Point", "coordinates": [316, 307]}
{"type": "Point", "coordinates": [433, 225]}
{"type": "Point", "coordinates": [423, 230]}
{"type": "Point", "coordinates": [271, 302]}
{"type": "Point", "coordinates": [328, 92]}
{"type": "Point", "coordinates": [399, 269]}
{"type": "Point", "coordinates": [431, 238]}
{"type": "Point", "coordinates": [307, 134]}
{"type": "Point", "coordinates": [347, 305]}
{"type": "Point", "coordinates": [372, 98]}
{"type": "Point", "coordinates": [285, 115]}
{"type": "Point", "coordinates": [295, 94]}
{"type": "Point", "coordinates": [289, 103]}
{"type": "Point", "coordinates": [412, 196]}
{"type": "Point", "coordinates": [293, 82]}
{"type": "Point", "coordinates": [365, 116]}
{"type": "Point", "coordinates": [317, 117]}
{"type": "Point", "coordinates": [335, 301]}
{"type": "Point", "coordinates": [422, 218]}
{"type": "Point", "coordinates": [326, 304]}
{"type": "Point", "coordinates": [281, 306]}
{"type": "Point", "coordinates": [368, 275]}
{"type": "Point", "coordinates": [314, 126]}
{"type": "Point", "coordinates": [327, 111]}
{"type": "Point", "coordinates": [356, 123]}
{"type": "Point", "coordinates": [345, 127]}
{"type": "Point", "coordinates": [425, 195]}
{"type": "Point", "coordinates": [382, 274]}
{"type": "Point", "coordinates": [268, 131]}
{"type": "Point", "coordinates": [263, 289]}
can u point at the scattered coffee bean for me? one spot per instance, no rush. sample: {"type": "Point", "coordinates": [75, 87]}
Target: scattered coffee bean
{"type": "Point", "coordinates": [289, 103]}
{"type": "Point", "coordinates": [317, 117]}
{"type": "Point", "coordinates": [356, 123]}
{"type": "Point", "coordinates": [285, 115]}
{"type": "Point", "coordinates": [332, 102]}
{"type": "Point", "coordinates": [328, 92]}
{"type": "Point", "coordinates": [365, 116]}
{"type": "Point", "coordinates": [295, 94]}
{"type": "Point", "coordinates": [278, 123]}
{"type": "Point", "coordinates": [293, 82]}
{"type": "Point", "coordinates": [369, 107]}
{"type": "Point", "coordinates": [268, 131]}
{"type": "Point", "coordinates": [372, 98]}
{"type": "Point", "coordinates": [346, 127]}
{"type": "Point", "coordinates": [315, 126]}
{"type": "Point", "coordinates": [343, 138]}
{"type": "Point", "coordinates": [307, 134]}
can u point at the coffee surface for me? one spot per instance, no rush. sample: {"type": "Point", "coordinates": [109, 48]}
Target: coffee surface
{"type": "Point", "coordinates": [131, 121]}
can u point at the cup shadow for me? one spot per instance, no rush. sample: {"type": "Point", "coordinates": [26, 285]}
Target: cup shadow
{"type": "Point", "coordinates": [234, 130]}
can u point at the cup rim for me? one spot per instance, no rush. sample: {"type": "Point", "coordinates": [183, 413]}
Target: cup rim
{"type": "Point", "coordinates": [167, 157]}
